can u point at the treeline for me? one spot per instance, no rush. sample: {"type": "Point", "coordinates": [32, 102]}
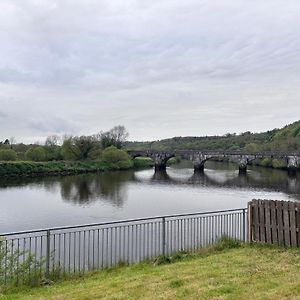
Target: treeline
{"type": "Point", "coordinates": [104, 146]}
{"type": "Point", "coordinates": [286, 139]}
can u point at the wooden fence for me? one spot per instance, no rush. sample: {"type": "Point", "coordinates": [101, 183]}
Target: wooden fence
{"type": "Point", "coordinates": [274, 222]}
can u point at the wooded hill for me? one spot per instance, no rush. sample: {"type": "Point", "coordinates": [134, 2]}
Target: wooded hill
{"type": "Point", "coordinates": [284, 139]}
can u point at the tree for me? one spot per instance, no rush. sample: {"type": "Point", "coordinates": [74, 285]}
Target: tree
{"type": "Point", "coordinates": [52, 140]}
{"type": "Point", "coordinates": [114, 137]}
{"type": "Point", "coordinates": [36, 154]}
{"type": "Point", "coordinates": [12, 141]}
{"type": "Point", "coordinates": [52, 148]}
{"type": "Point", "coordinates": [119, 134]}
{"type": "Point", "coordinates": [252, 147]}
{"type": "Point", "coordinates": [81, 148]}
{"type": "Point", "coordinates": [8, 155]}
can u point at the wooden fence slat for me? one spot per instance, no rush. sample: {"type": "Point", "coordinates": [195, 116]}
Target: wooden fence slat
{"type": "Point", "coordinates": [250, 218]}
{"type": "Point", "coordinates": [273, 222]}
{"type": "Point", "coordinates": [267, 221]}
{"type": "Point", "coordinates": [298, 225]}
{"type": "Point", "coordinates": [279, 222]}
{"type": "Point", "coordinates": [256, 221]}
{"type": "Point", "coordinates": [293, 224]}
{"type": "Point", "coordinates": [286, 224]}
{"type": "Point", "coordinates": [261, 209]}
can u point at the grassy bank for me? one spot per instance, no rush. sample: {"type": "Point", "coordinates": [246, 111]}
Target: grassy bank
{"type": "Point", "coordinates": [254, 272]}
{"type": "Point", "coordinates": [24, 168]}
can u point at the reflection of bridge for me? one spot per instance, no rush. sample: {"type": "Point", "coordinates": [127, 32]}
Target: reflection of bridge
{"type": "Point", "coordinates": [200, 157]}
{"type": "Point", "coordinates": [286, 184]}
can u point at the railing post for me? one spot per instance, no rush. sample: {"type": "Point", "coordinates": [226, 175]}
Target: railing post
{"type": "Point", "coordinates": [163, 236]}
{"type": "Point", "coordinates": [48, 254]}
{"type": "Point", "coordinates": [244, 225]}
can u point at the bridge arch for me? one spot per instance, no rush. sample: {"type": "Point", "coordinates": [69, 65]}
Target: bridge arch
{"type": "Point", "coordinates": [160, 158]}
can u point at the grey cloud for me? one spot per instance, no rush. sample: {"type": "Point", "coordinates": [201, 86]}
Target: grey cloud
{"type": "Point", "coordinates": [162, 67]}
{"type": "Point", "coordinates": [3, 115]}
{"type": "Point", "coordinates": [52, 125]}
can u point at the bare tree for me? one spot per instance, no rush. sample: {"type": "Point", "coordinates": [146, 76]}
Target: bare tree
{"type": "Point", "coordinates": [12, 141]}
{"type": "Point", "coordinates": [53, 140]}
{"type": "Point", "coordinates": [114, 137]}
{"type": "Point", "coordinates": [119, 134]}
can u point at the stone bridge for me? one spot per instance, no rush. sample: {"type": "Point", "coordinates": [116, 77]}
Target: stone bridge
{"type": "Point", "coordinates": [199, 158]}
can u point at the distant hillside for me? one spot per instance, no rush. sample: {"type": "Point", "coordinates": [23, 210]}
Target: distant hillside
{"type": "Point", "coordinates": [284, 139]}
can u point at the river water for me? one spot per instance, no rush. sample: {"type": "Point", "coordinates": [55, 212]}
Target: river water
{"type": "Point", "coordinates": [32, 203]}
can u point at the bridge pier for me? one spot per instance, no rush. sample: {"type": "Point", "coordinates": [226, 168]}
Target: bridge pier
{"type": "Point", "coordinates": [160, 160]}
{"type": "Point", "coordinates": [160, 167]}
{"type": "Point", "coordinates": [292, 163]}
{"type": "Point", "coordinates": [199, 160]}
{"type": "Point", "coordinates": [243, 162]}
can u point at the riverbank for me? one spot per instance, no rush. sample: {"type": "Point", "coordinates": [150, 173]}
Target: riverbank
{"type": "Point", "coordinates": [60, 168]}
{"type": "Point", "coordinates": [221, 272]}
{"type": "Point", "coordinates": [24, 168]}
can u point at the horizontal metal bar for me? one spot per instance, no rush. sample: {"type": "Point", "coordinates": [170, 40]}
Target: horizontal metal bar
{"type": "Point", "coordinates": [121, 222]}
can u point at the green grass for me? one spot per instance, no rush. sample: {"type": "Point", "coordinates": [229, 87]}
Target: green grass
{"type": "Point", "coordinates": [227, 271]}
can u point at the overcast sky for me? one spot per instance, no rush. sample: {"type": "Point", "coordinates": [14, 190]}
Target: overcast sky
{"type": "Point", "coordinates": [161, 68]}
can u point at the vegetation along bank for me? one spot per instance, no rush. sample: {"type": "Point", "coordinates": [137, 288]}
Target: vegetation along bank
{"type": "Point", "coordinates": [107, 150]}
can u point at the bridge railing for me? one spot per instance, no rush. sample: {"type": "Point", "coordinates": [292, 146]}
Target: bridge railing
{"type": "Point", "coordinates": [219, 152]}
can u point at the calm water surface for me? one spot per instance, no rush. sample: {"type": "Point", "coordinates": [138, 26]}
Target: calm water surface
{"type": "Point", "coordinates": [89, 198]}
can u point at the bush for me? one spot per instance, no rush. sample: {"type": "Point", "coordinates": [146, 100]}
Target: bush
{"type": "Point", "coordinates": [173, 161]}
{"type": "Point", "coordinates": [117, 157]}
{"type": "Point", "coordinates": [16, 267]}
{"type": "Point", "coordinates": [266, 162]}
{"type": "Point", "coordinates": [36, 154]}
{"type": "Point", "coordinates": [8, 155]}
{"type": "Point", "coordinates": [278, 164]}
{"type": "Point", "coordinates": [143, 162]}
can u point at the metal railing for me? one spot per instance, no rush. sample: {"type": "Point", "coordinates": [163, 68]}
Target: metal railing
{"type": "Point", "coordinates": [81, 248]}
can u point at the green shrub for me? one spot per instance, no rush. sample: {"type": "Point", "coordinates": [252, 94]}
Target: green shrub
{"type": "Point", "coordinates": [278, 164]}
{"type": "Point", "coordinates": [266, 162]}
{"type": "Point", "coordinates": [173, 161]}
{"type": "Point", "coordinates": [8, 155]}
{"type": "Point", "coordinates": [118, 157]}
{"type": "Point", "coordinates": [16, 267]}
{"type": "Point", "coordinates": [36, 154]}
{"type": "Point", "coordinates": [143, 162]}
{"type": "Point", "coordinates": [225, 242]}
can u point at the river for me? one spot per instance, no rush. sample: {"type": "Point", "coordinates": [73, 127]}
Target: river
{"type": "Point", "coordinates": [31, 203]}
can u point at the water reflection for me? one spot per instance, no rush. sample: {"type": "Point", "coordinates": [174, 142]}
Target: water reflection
{"type": "Point", "coordinates": [112, 187]}
{"type": "Point", "coordinates": [270, 181]}
{"type": "Point", "coordinates": [83, 189]}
